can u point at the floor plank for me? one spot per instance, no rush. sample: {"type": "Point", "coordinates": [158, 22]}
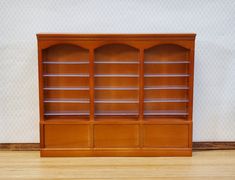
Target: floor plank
{"type": "Point", "coordinates": [203, 165]}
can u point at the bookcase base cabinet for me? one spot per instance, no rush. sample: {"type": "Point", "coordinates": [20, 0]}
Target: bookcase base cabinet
{"type": "Point", "coordinates": [145, 139]}
{"type": "Point", "coordinates": [116, 95]}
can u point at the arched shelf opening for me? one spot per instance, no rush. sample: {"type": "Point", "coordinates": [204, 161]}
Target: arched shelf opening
{"type": "Point", "coordinates": [166, 72]}
{"type": "Point", "coordinates": [166, 52]}
{"type": "Point", "coordinates": [65, 53]}
{"type": "Point", "coordinates": [66, 81]}
{"type": "Point", "coordinates": [116, 80]}
{"type": "Point", "coordinates": [116, 52]}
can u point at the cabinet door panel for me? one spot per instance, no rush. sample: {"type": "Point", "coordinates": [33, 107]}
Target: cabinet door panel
{"type": "Point", "coordinates": [66, 136]}
{"type": "Point", "coordinates": [166, 136]}
{"type": "Point", "coordinates": [116, 136]}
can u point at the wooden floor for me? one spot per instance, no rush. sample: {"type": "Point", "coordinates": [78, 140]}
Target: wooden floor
{"type": "Point", "coordinates": [203, 165]}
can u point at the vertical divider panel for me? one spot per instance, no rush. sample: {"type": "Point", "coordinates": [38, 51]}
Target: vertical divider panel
{"type": "Point", "coordinates": [141, 95]}
{"type": "Point", "coordinates": [41, 95]}
{"type": "Point", "coordinates": [91, 91]}
{"type": "Point", "coordinates": [41, 83]}
{"type": "Point", "coordinates": [141, 85]}
{"type": "Point", "coordinates": [190, 82]}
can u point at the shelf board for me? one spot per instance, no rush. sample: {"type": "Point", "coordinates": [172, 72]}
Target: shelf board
{"type": "Point", "coordinates": [166, 75]}
{"type": "Point", "coordinates": [66, 101]}
{"type": "Point", "coordinates": [116, 113]}
{"type": "Point", "coordinates": [116, 75]}
{"type": "Point", "coordinates": [167, 62]}
{"type": "Point", "coordinates": [166, 113]}
{"type": "Point", "coordinates": [66, 75]}
{"type": "Point", "coordinates": [165, 87]}
{"type": "Point", "coordinates": [117, 101]}
{"type": "Point", "coordinates": [116, 62]}
{"type": "Point", "coordinates": [65, 62]}
{"type": "Point", "coordinates": [66, 113]}
{"type": "Point", "coordinates": [165, 100]}
{"type": "Point", "coordinates": [66, 88]}
{"type": "Point", "coordinates": [116, 88]}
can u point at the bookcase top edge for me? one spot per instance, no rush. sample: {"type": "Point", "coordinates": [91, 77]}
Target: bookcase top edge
{"type": "Point", "coordinates": [71, 35]}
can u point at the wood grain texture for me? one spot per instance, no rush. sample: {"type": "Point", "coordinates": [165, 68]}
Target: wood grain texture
{"type": "Point", "coordinates": [214, 165]}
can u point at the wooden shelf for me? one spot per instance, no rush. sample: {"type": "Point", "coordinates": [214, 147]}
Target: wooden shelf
{"type": "Point", "coordinates": [165, 113]}
{"type": "Point", "coordinates": [117, 88]}
{"type": "Point", "coordinates": [116, 62]}
{"type": "Point", "coordinates": [165, 87]}
{"type": "Point", "coordinates": [66, 62]}
{"type": "Point", "coordinates": [66, 88]}
{"type": "Point", "coordinates": [166, 62]}
{"type": "Point", "coordinates": [165, 100]}
{"type": "Point", "coordinates": [66, 114]}
{"type": "Point", "coordinates": [116, 113]}
{"type": "Point", "coordinates": [66, 101]}
{"type": "Point", "coordinates": [116, 75]}
{"type": "Point", "coordinates": [66, 75]}
{"type": "Point", "coordinates": [166, 75]}
{"type": "Point", "coordinates": [117, 101]}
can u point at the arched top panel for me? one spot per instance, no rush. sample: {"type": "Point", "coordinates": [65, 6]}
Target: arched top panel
{"type": "Point", "coordinates": [166, 52]}
{"type": "Point", "coordinates": [65, 52]}
{"type": "Point", "coordinates": [116, 52]}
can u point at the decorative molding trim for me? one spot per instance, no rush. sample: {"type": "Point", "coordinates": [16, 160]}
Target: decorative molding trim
{"type": "Point", "coordinates": [228, 145]}
{"type": "Point", "coordinates": [19, 146]}
{"type": "Point", "coordinates": [214, 145]}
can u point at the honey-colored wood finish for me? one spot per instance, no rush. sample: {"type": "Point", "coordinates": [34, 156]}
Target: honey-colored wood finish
{"type": "Point", "coordinates": [116, 94]}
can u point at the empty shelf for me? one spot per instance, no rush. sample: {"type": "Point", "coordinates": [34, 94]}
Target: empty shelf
{"type": "Point", "coordinates": [116, 75]}
{"type": "Point", "coordinates": [117, 101]}
{"type": "Point", "coordinates": [66, 113]}
{"type": "Point", "coordinates": [66, 88]}
{"type": "Point", "coordinates": [166, 75]}
{"type": "Point", "coordinates": [165, 100]}
{"type": "Point", "coordinates": [116, 113]}
{"type": "Point", "coordinates": [165, 87]}
{"type": "Point", "coordinates": [66, 101]}
{"type": "Point", "coordinates": [66, 75]}
{"type": "Point", "coordinates": [166, 62]}
{"type": "Point", "coordinates": [66, 62]}
{"type": "Point", "coordinates": [165, 113]}
{"type": "Point", "coordinates": [116, 62]}
{"type": "Point", "coordinates": [116, 88]}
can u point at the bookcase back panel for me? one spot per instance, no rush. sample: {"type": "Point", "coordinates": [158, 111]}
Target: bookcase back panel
{"type": "Point", "coordinates": [116, 107]}
{"type": "Point", "coordinates": [66, 82]}
{"type": "Point", "coordinates": [166, 81]}
{"type": "Point", "coordinates": [67, 94]}
{"type": "Point", "coordinates": [165, 106]}
{"type": "Point", "coordinates": [116, 52]}
{"type": "Point", "coordinates": [118, 82]}
{"type": "Point", "coordinates": [107, 68]}
{"type": "Point", "coordinates": [66, 107]}
{"type": "Point", "coordinates": [166, 52]}
{"type": "Point", "coordinates": [64, 53]}
{"type": "Point", "coordinates": [66, 68]}
{"type": "Point", "coordinates": [166, 94]}
{"type": "Point", "coordinates": [116, 95]}
{"type": "Point", "coordinates": [166, 68]}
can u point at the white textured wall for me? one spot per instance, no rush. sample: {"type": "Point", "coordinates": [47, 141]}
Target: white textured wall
{"type": "Point", "coordinates": [212, 20]}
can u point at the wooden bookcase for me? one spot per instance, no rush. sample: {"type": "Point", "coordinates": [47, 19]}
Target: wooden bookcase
{"type": "Point", "coordinates": [116, 94]}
